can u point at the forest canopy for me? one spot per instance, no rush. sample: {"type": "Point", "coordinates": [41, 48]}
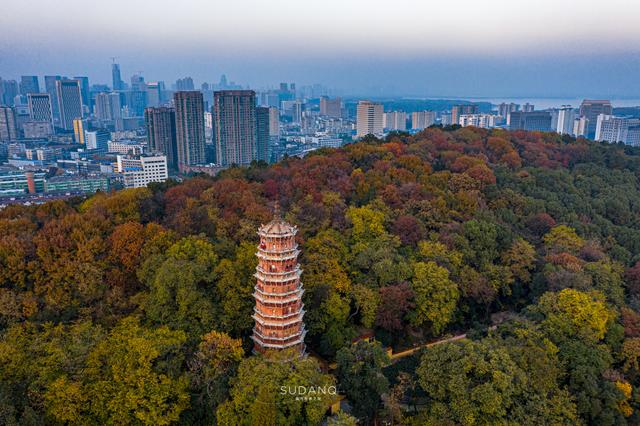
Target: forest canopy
{"type": "Point", "coordinates": [134, 307]}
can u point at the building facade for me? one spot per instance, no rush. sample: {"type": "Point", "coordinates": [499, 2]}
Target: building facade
{"type": "Point", "coordinates": [369, 119]}
{"type": "Point", "coordinates": [262, 133]}
{"type": "Point", "coordinates": [40, 107]}
{"type": "Point", "coordinates": [190, 135]}
{"type": "Point", "coordinates": [591, 109]}
{"type": "Point", "coordinates": [234, 116]}
{"type": "Point", "coordinates": [69, 102]}
{"type": "Point", "coordinates": [140, 171]}
{"type": "Point", "coordinates": [532, 121]}
{"type": "Point", "coordinates": [395, 121]}
{"type": "Point", "coordinates": [422, 119]}
{"type": "Point", "coordinates": [8, 128]}
{"type": "Point", "coordinates": [331, 107]}
{"type": "Point", "coordinates": [279, 310]}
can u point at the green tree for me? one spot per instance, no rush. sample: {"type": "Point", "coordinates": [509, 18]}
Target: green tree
{"type": "Point", "coordinates": [274, 390]}
{"type": "Point", "coordinates": [435, 294]}
{"type": "Point", "coordinates": [360, 376]}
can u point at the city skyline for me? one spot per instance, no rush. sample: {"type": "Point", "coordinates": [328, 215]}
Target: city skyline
{"type": "Point", "coordinates": [491, 48]}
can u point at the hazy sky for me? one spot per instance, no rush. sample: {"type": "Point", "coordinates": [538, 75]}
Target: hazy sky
{"type": "Point", "coordinates": [419, 47]}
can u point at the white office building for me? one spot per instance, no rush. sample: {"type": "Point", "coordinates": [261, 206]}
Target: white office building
{"type": "Point", "coordinates": [140, 171]}
{"type": "Point", "coordinates": [614, 129]}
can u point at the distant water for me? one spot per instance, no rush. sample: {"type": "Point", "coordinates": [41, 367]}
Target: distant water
{"type": "Point", "coordinates": [544, 103]}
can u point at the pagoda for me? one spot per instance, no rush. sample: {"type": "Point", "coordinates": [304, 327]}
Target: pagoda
{"type": "Point", "coordinates": [279, 312]}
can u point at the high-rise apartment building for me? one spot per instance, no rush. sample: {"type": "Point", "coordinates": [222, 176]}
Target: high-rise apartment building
{"type": "Point", "coordinates": [279, 311]}
{"type": "Point", "coordinates": [40, 107]}
{"type": "Point", "coordinates": [8, 129]}
{"type": "Point", "coordinates": [562, 120]}
{"type": "Point", "coordinates": [190, 136]}
{"type": "Point", "coordinates": [369, 119]}
{"type": "Point", "coordinates": [161, 130]}
{"type": "Point", "coordinates": [528, 107]}
{"type": "Point", "coordinates": [395, 121]}
{"type": "Point", "coordinates": [29, 84]}
{"type": "Point", "coordinates": [274, 122]}
{"type": "Point", "coordinates": [537, 120]}
{"type": "Point", "coordinates": [69, 102]}
{"type": "Point", "coordinates": [580, 125]}
{"type": "Point", "coordinates": [234, 116]}
{"type": "Point", "coordinates": [591, 109]}
{"type": "Point", "coordinates": [262, 134]}
{"type": "Point", "coordinates": [331, 107]}
{"type": "Point", "coordinates": [422, 119]}
{"type": "Point", "coordinates": [458, 110]}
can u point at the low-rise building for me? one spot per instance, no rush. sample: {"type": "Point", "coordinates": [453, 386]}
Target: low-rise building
{"type": "Point", "coordinates": [139, 171]}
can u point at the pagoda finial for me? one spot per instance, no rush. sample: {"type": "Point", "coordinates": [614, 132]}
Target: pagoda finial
{"type": "Point", "coordinates": [276, 211]}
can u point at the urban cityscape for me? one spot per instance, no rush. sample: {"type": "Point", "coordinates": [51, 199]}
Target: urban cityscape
{"type": "Point", "coordinates": [63, 135]}
{"type": "Point", "coordinates": [336, 213]}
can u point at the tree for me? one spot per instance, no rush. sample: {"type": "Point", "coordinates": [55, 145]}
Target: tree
{"type": "Point", "coordinates": [563, 238]}
{"type": "Point", "coordinates": [134, 376]}
{"type": "Point", "coordinates": [396, 301]}
{"type": "Point", "coordinates": [181, 289]}
{"type": "Point", "coordinates": [211, 369]}
{"type": "Point", "coordinates": [436, 296]}
{"type": "Point", "coordinates": [520, 259]}
{"type": "Point", "coordinates": [360, 375]}
{"type": "Point", "coordinates": [571, 313]}
{"type": "Point", "coordinates": [276, 389]}
{"type": "Point", "coordinates": [235, 288]}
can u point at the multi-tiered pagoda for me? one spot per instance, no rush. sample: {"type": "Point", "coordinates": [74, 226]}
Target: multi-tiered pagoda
{"type": "Point", "coordinates": [279, 309]}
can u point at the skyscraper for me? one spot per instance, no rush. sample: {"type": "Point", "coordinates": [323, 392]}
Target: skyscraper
{"type": "Point", "coordinates": [184, 84]}
{"type": "Point", "coordinates": [84, 90]}
{"type": "Point", "coordinates": [40, 107]}
{"type": "Point", "coordinates": [108, 106]}
{"type": "Point", "coordinates": [9, 91]}
{"type": "Point", "coordinates": [116, 78]}
{"type": "Point", "coordinates": [154, 94]}
{"type": "Point", "coordinates": [331, 107]}
{"type": "Point", "coordinates": [50, 87]}
{"type": "Point", "coordinates": [262, 134]}
{"type": "Point", "coordinates": [69, 102]}
{"type": "Point", "coordinates": [8, 130]}
{"type": "Point", "coordinates": [29, 84]}
{"type": "Point", "coordinates": [369, 119]}
{"type": "Point", "coordinates": [279, 311]}
{"type": "Point", "coordinates": [161, 130]}
{"type": "Point", "coordinates": [190, 135]}
{"type": "Point", "coordinates": [234, 115]}
{"type": "Point", "coordinates": [591, 109]}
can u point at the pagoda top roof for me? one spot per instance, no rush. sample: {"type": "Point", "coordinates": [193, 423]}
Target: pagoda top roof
{"type": "Point", "coordinates": [278, 227]}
